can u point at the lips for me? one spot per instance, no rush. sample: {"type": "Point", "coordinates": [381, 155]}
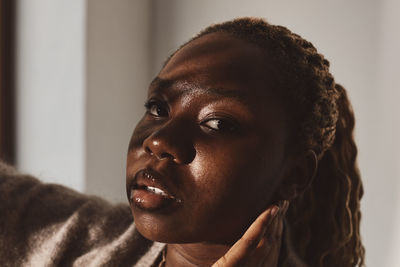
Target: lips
{"type": "Point", "coordinates": [148, 191]}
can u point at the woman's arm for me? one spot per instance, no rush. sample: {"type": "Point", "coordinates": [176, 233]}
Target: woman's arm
{"type": "Point", "coordinates": [46, 224]}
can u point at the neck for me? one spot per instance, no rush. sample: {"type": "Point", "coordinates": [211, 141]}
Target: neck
{"type": "Point", "coordinates": [197, 254]}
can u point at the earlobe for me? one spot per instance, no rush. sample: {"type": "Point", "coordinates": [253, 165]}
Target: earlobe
{"type": "Point", "coordinates": [299, 177]}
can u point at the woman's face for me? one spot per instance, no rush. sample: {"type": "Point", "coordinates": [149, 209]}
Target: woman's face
{"type": "Point", "coordinates": [208, 154]}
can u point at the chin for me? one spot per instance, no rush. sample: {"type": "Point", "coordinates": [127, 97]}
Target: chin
{"type": "Point", "coordinates": [175, 227]}
{"type": "Point", "coordinates": [159, 233]}
{"type": "Point", "coordinates": [160, 228]}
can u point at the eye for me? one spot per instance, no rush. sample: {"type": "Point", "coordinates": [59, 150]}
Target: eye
{"type": "Point", "coordinates": [156, 108]}
{"type": "Point", "coordinates": [220, 125]}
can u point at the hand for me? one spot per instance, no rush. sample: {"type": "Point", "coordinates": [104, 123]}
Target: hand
{"type": "Point", "coordinates": [260, 244]}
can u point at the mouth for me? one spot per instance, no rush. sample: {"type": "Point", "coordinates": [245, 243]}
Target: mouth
{"type": "Point", "coordinates": [148, 192]}
{"type": "Point", "coordinates": [154, 190]}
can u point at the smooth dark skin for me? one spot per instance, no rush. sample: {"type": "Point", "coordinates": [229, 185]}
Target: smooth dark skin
{"type": "Point", "coordinates": [218, 134]}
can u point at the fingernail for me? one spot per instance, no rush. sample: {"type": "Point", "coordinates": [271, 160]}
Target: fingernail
{"type": "Point", "coordinates": [274, 211]}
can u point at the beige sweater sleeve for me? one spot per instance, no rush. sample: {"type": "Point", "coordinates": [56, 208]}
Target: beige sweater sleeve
{"type": "Point", "coordinates": [51, 225]}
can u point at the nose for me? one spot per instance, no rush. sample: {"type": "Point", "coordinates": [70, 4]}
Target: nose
{"type": "Point", "coordinates": [170, 142]}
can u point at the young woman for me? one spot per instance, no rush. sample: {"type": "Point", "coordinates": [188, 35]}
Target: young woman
{"type": "Point", "coordinates": [244, 157]}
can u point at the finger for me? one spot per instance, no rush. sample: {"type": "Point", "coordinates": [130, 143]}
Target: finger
{"type": "Point", "coordinates": [244, 247]}
{"type": "Point", "coordinates": [269, 246]}
{"type": "Point", "coordinates": [273, 236]}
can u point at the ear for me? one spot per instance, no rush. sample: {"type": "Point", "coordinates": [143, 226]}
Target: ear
{"type": "Point", "coordinates": [299, 176]}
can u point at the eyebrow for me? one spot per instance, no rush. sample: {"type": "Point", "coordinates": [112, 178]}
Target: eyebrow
{"type": "Point", "coordinates": [160, 83]}
{"type": "Point", "coordinates": [163, 84]}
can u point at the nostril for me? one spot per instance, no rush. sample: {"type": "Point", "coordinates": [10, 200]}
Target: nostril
{"type": "Point", "coordinates": [166, 155]}
{"type": "Point", "coordinates": [148, 150]}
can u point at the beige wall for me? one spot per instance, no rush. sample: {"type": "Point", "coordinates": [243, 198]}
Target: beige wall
{"type": "Point", "coordinates": [382, 205]}
{"type": "Point", "coordinates": [50, 70]}
{"type": "Point", "coordinates": [117, 75]}
{"type": "Point", "coordinates": [82, 70]}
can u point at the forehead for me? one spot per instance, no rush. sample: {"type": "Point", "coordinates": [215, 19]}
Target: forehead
{"type": "Point", "coordinates": [218, 60]}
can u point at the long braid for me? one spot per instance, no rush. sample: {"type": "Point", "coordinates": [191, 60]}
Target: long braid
{"type": "Point", "coordinates": [325, 219]}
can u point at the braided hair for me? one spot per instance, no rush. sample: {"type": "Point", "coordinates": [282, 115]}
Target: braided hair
{"type": "Point", "coordinates": [325, 219]}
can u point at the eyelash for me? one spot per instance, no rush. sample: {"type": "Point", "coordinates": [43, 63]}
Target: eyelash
{"type": "Point", "coordinates": [229, 124]}
{"type": "Point", "coordinates": [159, 105]}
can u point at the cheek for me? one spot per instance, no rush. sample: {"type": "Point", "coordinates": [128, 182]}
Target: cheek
{"type": "Point", "coordinates": [135, 151]}
{"type": "Point", "coordinates": [237, 178]}
{"type": "Point", "coordinates": [232, 186]}
{"type": "Point", "coordinates": [141, 131]}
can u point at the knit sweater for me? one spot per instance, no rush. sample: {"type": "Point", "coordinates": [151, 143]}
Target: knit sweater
{"type": "Point", "coordinates": [51, 225]}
